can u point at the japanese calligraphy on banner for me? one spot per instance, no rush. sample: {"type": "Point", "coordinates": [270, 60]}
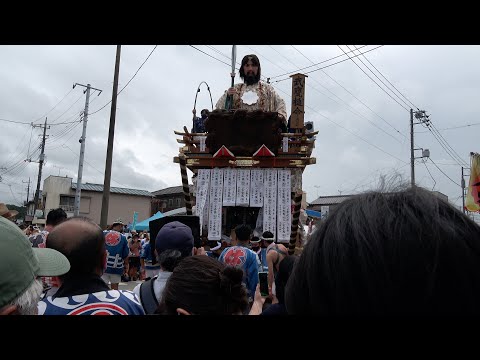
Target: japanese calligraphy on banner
{"type": "Point", "coordinates": [256, 187]}
{"type": "Point", "coordinates": [215, 211]}
{"type": "Point", "coordinates": [229, 186]}
{"type": "Point", "coordinates": [243, 187]}
{"type": "Point", "coordinates": [206, 211]}
{"type": "Point", "coordinates": [298, 101]}
{"type": "Point", "coordinates": [284, 209]}
{"type": "Point", "coordinates": [203, 182]}
{"type": "Point", "coordinates": [270, 201]}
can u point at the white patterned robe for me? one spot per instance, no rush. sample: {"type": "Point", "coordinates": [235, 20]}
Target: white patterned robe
{"type": "Point", "coordinates": [268, 99]}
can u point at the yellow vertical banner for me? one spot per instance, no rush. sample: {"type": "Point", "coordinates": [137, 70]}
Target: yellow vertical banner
{"type": "Point", "coordinates": [472, 202]}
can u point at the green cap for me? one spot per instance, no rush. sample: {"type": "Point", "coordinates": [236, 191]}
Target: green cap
{"type": "Point", "coordinates": [20, 264]}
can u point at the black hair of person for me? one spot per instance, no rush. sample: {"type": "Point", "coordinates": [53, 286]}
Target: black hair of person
{"type": "Point", "coordinates": [405, 252]}
{"type": "Point", "coordinates": [202, 285]}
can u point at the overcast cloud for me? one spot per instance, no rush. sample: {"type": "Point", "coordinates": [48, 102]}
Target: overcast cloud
{"type": "Point", "coordinates": [443, 80]}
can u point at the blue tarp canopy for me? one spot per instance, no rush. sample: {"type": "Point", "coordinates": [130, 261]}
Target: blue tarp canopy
{"type": "Point", "coordinates": [144, 225]}
{"type": "Point", "coordinates": [313, 213]}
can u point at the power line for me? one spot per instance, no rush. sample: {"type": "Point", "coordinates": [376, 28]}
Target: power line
{"type": "Point", "coordinates": [128, 81]}
{"type": "Point", "coordinates": [347, 105]}
{"type": "Point", "coordinates": [426, 167]}
{"type": "Point", "coordinates": [372, 79]}
{"type": "Point", "coordinates": [351, 94]}
{"type": "Point", "coordinates": [361, 138]}
{"type": "Point", "coordinates": [321, 62]}
{"type": "Point", "coordinates": [353, 112]}
{"type": "Point", "coordinates": [20, 143]}
{"type": "Point", "coordinates": [335, 63]}
{"type": "Point", "coordinates": [443, 172]}
{"type": "Point", "coordinates": [213, 57]}
{"type": "Point", "coordinates": [16, 122]}
{"type": "Point", "coordinates": [386, 78]}
{"type": "Point", "coordinates": [386, 86]}
{"type": "Point", "coordinates": [448, 145]}
{"type": "Point", "coordinates": [220, 53]}
{"type": "Point", "coordinates": [25, 123]}
{"type": "Point", "coordinates": [454, 127]}
{"type": "Point", "coordinates": [445, 146]}
{"type": "Point", "coordinates": [264, 57]}
{"type": "Point", "coordinates": [66, 146]}
{"type": "Point", "coordinates": [58, 117]}
{"type": "Point", "coordinates": [59, 146]}
{"type": "Point", "coordinates": [43, 116]}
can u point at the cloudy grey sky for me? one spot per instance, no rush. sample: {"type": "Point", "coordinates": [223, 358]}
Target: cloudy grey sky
{"type": "Point", "coordinates": [363, 132]}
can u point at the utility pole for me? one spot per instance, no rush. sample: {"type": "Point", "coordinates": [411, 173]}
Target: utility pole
{"type": "Point", "coordinates": [42, 158]}
{"type": "Point", "coordinates": [111, 132]}
{"type": "Point", "coordinates": [76, 210]}
{"type": "Point", "coordinates": [422, 118]}
{"type": "Point", "coordinates": [28, 188]}
{"type": "Point", "coordinates": [412, 155]}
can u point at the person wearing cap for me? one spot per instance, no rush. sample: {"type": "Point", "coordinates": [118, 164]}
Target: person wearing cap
{"type": "Point", "coordinates": [117, 254]}
{"type": "Point", "coordinates": [39, 239]}
{"type": "Point", "coordinates": [7, 213]}
{"type": "Point", "coordinates": [83, 292]}
{"type": "Point", "coordinates": [174, 242]}
{"type": "Point", "coordinates": [241, 256]}
{"type": "Point", "coordinates": [20, 267]}
{"type": "Point", "coordinates": [275, 254]}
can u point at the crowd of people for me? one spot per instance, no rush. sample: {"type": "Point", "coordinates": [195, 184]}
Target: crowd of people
{"type": "Point", "coordinates": [381, 253]}
{"type": "Point", "coordinates": [406, 252]}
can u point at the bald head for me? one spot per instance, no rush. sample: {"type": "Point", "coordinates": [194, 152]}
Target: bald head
{"type": "Point", "coordinates": [82, 242]}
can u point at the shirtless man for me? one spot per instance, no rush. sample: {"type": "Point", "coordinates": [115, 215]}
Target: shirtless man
{"type": "Point", "coordinates": [275, 254]}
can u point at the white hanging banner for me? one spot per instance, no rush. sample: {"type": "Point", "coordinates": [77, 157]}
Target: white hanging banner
{"type": "Point", "coordinates": [243, 187]}
{"type": "Point", "coordinates": [270, 201]}
{"type": "Point", "coordinates": [229, 186]}
{"type": "Point", "coordinates": [256, 187]}
{"type": "Point", "coordinates": [203, 182]}
{"type": "Point", "coordinates": [206, 210]}
{"type": "Point", "coordinates": [215, 211]}
{"type": "Point", "coordinates": [284, 209]}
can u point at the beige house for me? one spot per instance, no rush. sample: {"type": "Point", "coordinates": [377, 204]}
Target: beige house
{"type": "Point", "coordinates": [60, 192]}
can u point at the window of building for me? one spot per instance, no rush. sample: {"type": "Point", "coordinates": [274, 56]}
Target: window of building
{"type": "Point", "coordinates": [67, 203]}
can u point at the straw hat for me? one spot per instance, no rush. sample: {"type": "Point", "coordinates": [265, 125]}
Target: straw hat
{"type": "Point", "coordinates": [6, 213]}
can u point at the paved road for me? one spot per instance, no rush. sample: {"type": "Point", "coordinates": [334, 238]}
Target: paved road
{"type": "Point", "coordinates": [129, 285]}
